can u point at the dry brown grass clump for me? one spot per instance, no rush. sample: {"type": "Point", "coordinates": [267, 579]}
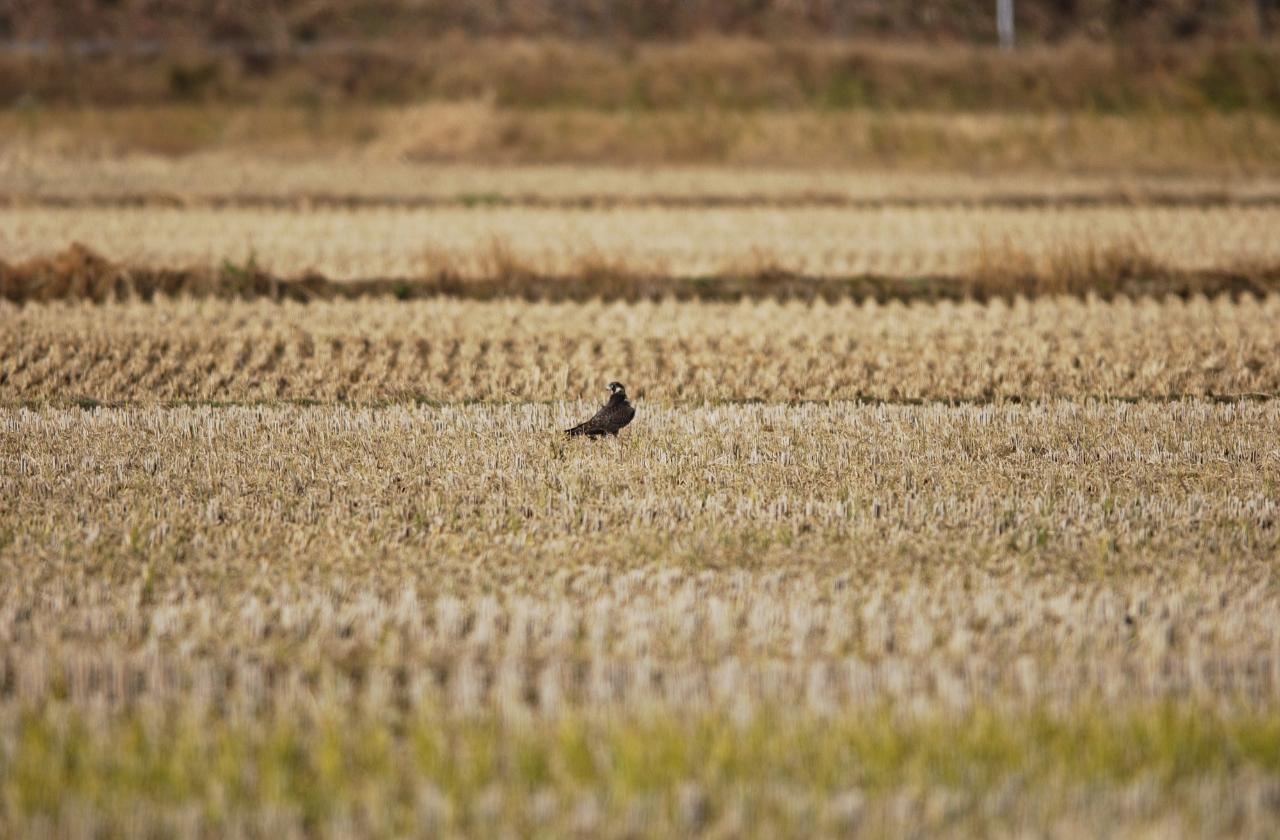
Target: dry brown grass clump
{"type": "Point", "coordinates": [80, 274]}
{"type": "Point", "coordinates": [448, 350]}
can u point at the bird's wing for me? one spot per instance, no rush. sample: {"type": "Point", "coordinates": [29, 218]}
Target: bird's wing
{"type": "Point", "coordinates": [597, 424]}
{"type": "Point", "coordinates": [621, 415]}
{"type": "Point", "coordinates": [613, 417]}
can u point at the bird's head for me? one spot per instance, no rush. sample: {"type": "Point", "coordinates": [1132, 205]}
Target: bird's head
{"type": "Point", "coordinates": [617, 388]}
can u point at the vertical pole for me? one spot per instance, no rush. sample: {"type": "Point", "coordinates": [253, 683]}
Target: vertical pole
{"type": "Point", "coordinates": [1004, 23]}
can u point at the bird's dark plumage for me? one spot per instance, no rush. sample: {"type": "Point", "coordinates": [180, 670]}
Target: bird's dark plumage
{"type": "Point", "coordinates": [617, 412]}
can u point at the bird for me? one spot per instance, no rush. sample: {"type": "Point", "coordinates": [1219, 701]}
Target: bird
{"type": "Point", "coordinates": [615, 414]}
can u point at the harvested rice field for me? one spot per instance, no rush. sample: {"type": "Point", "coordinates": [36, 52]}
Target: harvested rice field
{"type": "Point", "coordinates": [448, 350]}
{"type": "Point", "coordinates": [35, 177]}
{"type": "Point", "coordinates": [951, 505]}
{"type": "Point", "coordinates": [677, 242]}
{"type": "Point", "coordinates": [748, 619]}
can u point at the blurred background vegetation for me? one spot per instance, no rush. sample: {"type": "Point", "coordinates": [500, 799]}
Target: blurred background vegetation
{"type": "Point", "coordinates": [1108, 56]}
{"type": "Point", "coordinates": [310, 21]}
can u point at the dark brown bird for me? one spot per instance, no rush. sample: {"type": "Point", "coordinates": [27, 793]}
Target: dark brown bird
{"type": "Point", "coordinates": [617, 412]}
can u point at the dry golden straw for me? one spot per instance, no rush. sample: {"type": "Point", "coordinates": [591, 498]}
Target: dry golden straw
{"type": "Point", "coordinates": [476, 242]}
{"type": "Point", "coordinates": [449, 350]}
{"type": "Point", "coordinates": [807, 618]}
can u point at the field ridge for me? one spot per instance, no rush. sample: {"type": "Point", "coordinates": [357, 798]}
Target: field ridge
{"type": "Point", "coordinates": [79, 273]}
{"type": "Point", "coordinates": [1026, 200]}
